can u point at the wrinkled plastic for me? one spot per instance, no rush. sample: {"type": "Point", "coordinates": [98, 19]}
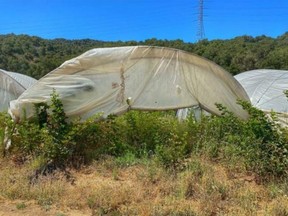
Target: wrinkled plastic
{"type": "Point", "coordinates": [265, 88]}
{"type": "Point", "coordinates": [114, 80]}
{"type": "Point", "coordinates": [12, 85]}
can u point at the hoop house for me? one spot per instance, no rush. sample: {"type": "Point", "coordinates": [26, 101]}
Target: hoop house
{"type": "Point", "coordinates": [114, 80]}
{"type": "Point", "coordinates": [12, 85]}
{"type": "Point", "coordinates": [266, 88]}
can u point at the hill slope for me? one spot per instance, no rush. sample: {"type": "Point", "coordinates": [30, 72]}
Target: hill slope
{"type": "Point", "coordinates": [36, 57]}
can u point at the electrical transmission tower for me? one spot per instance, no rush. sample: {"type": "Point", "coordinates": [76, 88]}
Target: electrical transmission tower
{"type": "Point", "coordinates": [200, 32]}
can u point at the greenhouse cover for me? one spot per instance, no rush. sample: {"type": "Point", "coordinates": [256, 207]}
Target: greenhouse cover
{"type": "Point", "coordinates": [266, 87]}
{"type": "Point", "coordinates": [12, 85]}
{"type": "Point", "coordinates": [115, 80]}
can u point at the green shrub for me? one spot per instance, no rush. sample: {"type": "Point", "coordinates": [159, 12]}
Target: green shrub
{"type": "Point", "coordinates": [271, 150]}
{"type": "Point", "coordinates": [259, 144]}
{"type": "Point", "coordinates": [7, 128]}
{"type": "Point", "coordinates": [171, 153]}
{"type": "Point", "coordinates": [47, 136]}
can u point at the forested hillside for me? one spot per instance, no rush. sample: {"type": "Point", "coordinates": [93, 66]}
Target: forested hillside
{"type": "Point", "coordinates": [143, 163]}
{"type": "Point", "coordinates": [35, 56]}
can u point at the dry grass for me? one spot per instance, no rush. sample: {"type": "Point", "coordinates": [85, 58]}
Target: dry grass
{"type": "Point", "coordinates": [103, 188]}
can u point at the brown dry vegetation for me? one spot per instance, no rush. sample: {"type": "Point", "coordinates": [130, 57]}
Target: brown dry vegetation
{"type": "Point", "coordinates": [147, 164]}
{"type": "Point", "coordinates": [105, 188]}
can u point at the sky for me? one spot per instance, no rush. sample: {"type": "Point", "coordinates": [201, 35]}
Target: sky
{"type": "Point", "coordinates": [138, 20]}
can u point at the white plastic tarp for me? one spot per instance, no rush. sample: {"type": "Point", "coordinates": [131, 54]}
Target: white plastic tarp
{"type": "Point", "coordinates": [12, 85]}
{"type": "Point", "coordinates": [114, 80]}
{"type": "Point", "coordinates": [265, 88]}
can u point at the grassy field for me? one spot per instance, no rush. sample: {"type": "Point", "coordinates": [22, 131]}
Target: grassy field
{"type": "Point", "coordinates": [121, 186]}
{"type": "Point", "coordinates": [144, 163]}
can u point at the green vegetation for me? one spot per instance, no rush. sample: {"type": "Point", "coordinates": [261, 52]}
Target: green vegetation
{"type": "Point", "coordinates": [20, 205]}
{"type": "Point", "coordinates": [258, 144]}
{"type": "Point", "coordinates": [36, 57]}
{"type": "Point", "coordinates": [145, 163]}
